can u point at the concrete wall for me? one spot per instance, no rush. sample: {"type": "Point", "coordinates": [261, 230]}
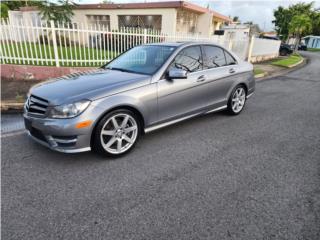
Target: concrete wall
{"type": "Point", "coordinates": [204, 24]}
{"type": "Point", "coordinates": [264, 49]}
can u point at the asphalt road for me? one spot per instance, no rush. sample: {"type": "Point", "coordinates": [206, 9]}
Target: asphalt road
{"type": "Point", "coordinates": [253, 176]}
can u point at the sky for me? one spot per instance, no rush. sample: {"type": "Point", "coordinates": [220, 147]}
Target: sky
{"type": "Point", "coordinates": [257, 11]}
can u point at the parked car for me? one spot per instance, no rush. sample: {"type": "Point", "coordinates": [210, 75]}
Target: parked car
{"type": "Point", "coordinates": [146, 88]}
{"type": "Point", "coordinates": [302, 47]}
{"type": "Point", "coordinates": [285, 49]}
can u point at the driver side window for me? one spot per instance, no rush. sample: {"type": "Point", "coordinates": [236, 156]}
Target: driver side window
{"type": "Point", "coordinates": [188, 59]}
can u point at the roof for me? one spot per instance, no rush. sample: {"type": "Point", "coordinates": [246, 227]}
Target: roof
{"type": "Point", "coordinates": [218, 15]}
{"type": "Point", "coordinates": [28, 8]}
{"type": "Point", "coordinates": [311, 36]}
{"type": "Point", "coordinates": [167, 4]}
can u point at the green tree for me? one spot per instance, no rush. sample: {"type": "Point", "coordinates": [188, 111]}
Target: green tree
{"type": "Point", "coordinates": [15, 5]}
{"type": "Point", "coordinates": [60, 12]}
{"type": "Point", "coordinates": [300, 25]}
{"type": "Point", "coordinates": [4, 10]}
{"type": "Point", "coordinates": [315, 18]}
{"type": "Point", "coordinates": [283, 17]}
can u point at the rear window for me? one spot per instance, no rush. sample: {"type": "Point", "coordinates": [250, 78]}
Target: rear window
{"type": "Point", "coordinates": [229, 59]}
{"type": "Point", "coordinates": [213, 57]}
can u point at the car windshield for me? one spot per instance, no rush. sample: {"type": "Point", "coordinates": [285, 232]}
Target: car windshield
{"type": "Point", "coordinates": [142, 59]}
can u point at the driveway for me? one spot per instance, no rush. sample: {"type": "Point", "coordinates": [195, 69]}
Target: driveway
{"type": "Point", "coordinates": [253, 176]}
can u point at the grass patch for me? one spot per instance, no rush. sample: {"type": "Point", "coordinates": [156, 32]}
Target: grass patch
{"type": "Point", "coordinates": [288, 61]}
{"type": "Point", "coordinates": [35, 51]}
{"type": "Point", "coordinates": [257, 71]}
{"type": "Point", "coordinates": [314, 49]}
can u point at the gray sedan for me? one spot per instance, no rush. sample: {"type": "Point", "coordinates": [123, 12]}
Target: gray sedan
{"type": "Point", "coordinates": [146, 88]}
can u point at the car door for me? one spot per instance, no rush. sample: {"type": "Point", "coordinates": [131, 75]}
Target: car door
{"type": "Point", "coordinates": [220, 69]}
{"type": "Point", "coordinates": [177, 97]}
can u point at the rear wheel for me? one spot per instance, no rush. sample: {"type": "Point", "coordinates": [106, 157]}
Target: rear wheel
{"type": "Point", "coordinates": [237, 100]}
{"type": "Point", "coordinates": [116, 133]}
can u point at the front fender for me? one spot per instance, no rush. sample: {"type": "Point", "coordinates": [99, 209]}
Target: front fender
{"type": "Point", "coordinates": [143, 99]}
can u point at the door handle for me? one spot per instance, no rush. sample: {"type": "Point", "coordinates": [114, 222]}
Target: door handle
{"type": "Point", "coordinates": [202, 78]}
{"type": "Point", "coordinates": [231, 70]}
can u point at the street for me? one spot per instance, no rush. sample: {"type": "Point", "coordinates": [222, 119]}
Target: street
{"type": "Point", "coordinates": [252, 176]}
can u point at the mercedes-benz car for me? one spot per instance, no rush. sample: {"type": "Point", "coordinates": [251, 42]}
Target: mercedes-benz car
{"type": "Point", "coordinates": [148, 87]}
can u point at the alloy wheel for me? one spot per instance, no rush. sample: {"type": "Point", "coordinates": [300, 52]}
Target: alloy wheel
{"type": "Point", "coordinates": [119, 133]}
{"type": "Point", "coordinates": [238, 100]}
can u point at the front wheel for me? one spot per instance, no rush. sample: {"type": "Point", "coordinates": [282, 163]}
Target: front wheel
{"type": "Point", "coordinates": [116, 133]}
{"type": "Point", "coordinates": [237, 100]}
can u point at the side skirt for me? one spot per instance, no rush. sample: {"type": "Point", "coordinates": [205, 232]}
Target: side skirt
{"type": "Point", "coordinates": [165, 124]}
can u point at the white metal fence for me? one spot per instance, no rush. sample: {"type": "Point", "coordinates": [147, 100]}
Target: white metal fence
{"type": "Point", "coordinates": [82, 45]}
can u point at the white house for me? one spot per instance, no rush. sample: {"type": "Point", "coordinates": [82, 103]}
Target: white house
{"type": "Point", "coordinates": [169, 17]}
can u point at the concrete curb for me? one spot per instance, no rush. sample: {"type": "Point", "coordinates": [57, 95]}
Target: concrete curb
{"type": "Point", "coordinates": [260, 75]}
{"type": "Point", "coordinates": [296, 64]}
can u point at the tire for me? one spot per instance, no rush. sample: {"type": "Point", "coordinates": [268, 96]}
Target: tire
{"type": "Point", "coordinates": [283, 52]}
{"type": "Point", "coordinates": [237, 100]}
{"type": "Point", "coordinates": [117, 133]}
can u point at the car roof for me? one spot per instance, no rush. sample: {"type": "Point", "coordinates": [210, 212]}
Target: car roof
{"type": "Point", "coordinates": [171, 44]}
{"type": "Point", "coordinates": [182, 43]}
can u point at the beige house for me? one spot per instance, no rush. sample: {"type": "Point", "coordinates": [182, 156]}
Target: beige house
{"type": "Point", "coordinates": [168, 17]}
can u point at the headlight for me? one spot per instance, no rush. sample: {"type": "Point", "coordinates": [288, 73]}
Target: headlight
{"type": "Point", "coordinates": [69, 110]}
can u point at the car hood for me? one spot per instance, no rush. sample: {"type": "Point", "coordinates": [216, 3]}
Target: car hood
{"type": "Point", "coordinates": [88, 85]}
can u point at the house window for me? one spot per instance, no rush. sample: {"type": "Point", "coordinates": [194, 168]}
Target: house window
{"type": "Point", "coordinates": [102, 20]}
{"type": "Point", "coordinates": [140, 21]}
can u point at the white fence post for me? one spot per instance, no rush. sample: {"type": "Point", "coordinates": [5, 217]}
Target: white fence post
{"type": "Point", "coordinates": [230, 45]}
{"type": "Point", "coordinates": [145, 36]}
{"type": "Point", "coordinates": [250, 48]}
{"type": "Point", "coordinates": [54, 41]}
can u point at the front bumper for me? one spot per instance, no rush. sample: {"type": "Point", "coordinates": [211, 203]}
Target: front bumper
{"type": "Point", "coordinates": [59, 134]}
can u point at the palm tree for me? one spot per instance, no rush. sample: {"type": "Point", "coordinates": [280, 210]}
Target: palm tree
{"type": "Point", "coordinates": [299, 26]}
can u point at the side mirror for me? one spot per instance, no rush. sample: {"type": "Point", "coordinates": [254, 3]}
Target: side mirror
{"type": "Point", "coordinates": [176, 73]}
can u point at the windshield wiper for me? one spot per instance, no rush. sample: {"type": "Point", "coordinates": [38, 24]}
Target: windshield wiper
{"type": "Point", "coordinates": [121, 69]}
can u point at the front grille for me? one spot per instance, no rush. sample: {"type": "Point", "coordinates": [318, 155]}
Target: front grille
{"type": "Point", "coordinates": [36, 105]}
